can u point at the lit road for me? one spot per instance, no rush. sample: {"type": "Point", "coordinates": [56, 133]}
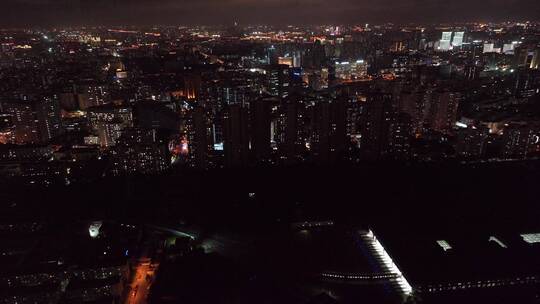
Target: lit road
{"type": "Point", "coordinates": [139, 287]}
{"type": "Point", "coordinates": [142, 276]}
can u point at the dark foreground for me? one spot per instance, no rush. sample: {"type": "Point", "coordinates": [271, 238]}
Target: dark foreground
{"type": "Point", "coordinates": [248, 245]}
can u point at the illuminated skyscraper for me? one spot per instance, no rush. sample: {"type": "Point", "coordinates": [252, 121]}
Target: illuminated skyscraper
{"type": "Point", "coordinates": [489, 48]}
{"type": "Point", "coordinates": [508, 48]}
{"type": "Point", "coordinates": [271, 55]}
{"type": "Point", "coordinates": [445, 42]}
{"type": "Point", "coordinates": [457, 40]}
{"type": "Point", "coordinates": [297, 59]}
{"type": "Point", "coordinates": [278, 80]}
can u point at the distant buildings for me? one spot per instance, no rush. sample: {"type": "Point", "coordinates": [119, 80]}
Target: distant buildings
{"type": "Point", "coordinates": [138, 151]}
{"type": "Point", "coordinates": [471, 142]}
{"type": "Point", "coordinates": [88, 269]}
{"type": "Point", "coordinates": [268, 95]}
{"type": "Point", "coordinates": [109, 121]}
{"type": "Point", "coordinates": [346, 70]}
{"type": "Point", "coordinates": [25, 125]}
{"type": "Point", "coordinates": [520, 141]}
{"type": "Point", "coordinates": [33, 122]}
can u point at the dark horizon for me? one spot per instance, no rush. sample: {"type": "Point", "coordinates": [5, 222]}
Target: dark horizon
{"type": "Point", "coordinates": [276, 12]}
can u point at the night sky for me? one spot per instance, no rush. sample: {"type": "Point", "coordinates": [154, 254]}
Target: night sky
{"type": "Point", "coordinates": [143, 12]}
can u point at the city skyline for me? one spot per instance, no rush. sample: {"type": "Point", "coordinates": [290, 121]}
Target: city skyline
{"type": "Point", "coordinates": [378, 163]}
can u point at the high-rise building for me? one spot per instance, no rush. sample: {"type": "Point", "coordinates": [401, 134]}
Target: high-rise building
{"type": "Point", "coordinates": [377, 118]}
{"type": "Point", "coordinates": [316, 55]}
{"type": "Point", "coordinates": [192, 85]}
{"type": "Point", "coordinates": [139, 151]}
{"type": "Point", "coordinates": [535, 62]}
{"type": "Point", "coordinates": [412, 102]}
{"type": "Point", "coordinates": [472, 71]}
{"type": "Point", "coordinates": [354, 118]}
{"type": "Point", "coordinates": [471, 142]}
{"type": "Point", "coordinates": [156, 115]}
{"type": "Point", "coordinates": [526, 82]}
{"type": "Point", "coordinates": [260, 128]}
{"type": "Point", "coordinates": [48, 118]}
{"type": "Point", "coordinates": [271, 55]}
{"type": "Point", "coordinates": [508, 48]}
{"type": "Point", "coordinates": [92, 95]}
{"type": "Point", "coordinates": [297, 59]}
{"type": "Point", "coordinates": [457, 40]}
{"type": "Point", "coordinates": [442, 110]}
{"type": "Point", "coordinates": [399, 137]}
{"type": "Point", "coordinates": [278, 80]}
{"type": "Point", "coordinates": [295, 137]}
{"type": "Point", "coordinates": [201, 144]}
{"type": "Point", "coordinates": [518, 141]}
{"type": "Point", "coordinates": [109, 121]}
{"type": "Point", "coordinates": [25, 124]}
{"type": "Point", "coordinates": [329, 134]}
{"type": "Point", "coordinates": [489, 48]}
{"type": "Point", "coordinates": [528, 57]}
{"type": "Point", "coordinates": [445, 42]}
{"type": "Point", "coordinates": [236, 135]}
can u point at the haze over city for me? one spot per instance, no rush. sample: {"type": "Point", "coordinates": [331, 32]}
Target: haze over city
{"type": "Point", "coordinates": [298, 12]}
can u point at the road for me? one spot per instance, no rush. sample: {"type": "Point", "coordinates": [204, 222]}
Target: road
{"type": "Point", "coordinates": [144, 271]}
{"type": "Point", "coordinates": [139, 287]}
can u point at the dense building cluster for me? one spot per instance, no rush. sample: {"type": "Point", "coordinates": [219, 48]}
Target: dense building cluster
{"type": "Point", "coordinates": [83, 269]}
{"type": "Point", "coordinates": [78, 103]}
